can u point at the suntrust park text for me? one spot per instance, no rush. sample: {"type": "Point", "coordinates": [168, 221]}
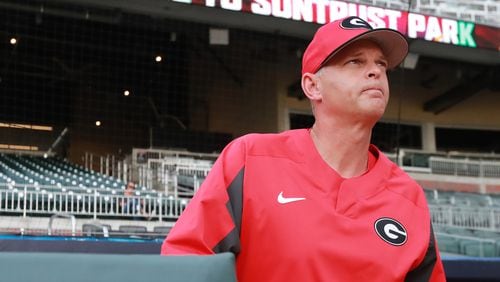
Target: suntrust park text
{"type": "Point", "coordinates": [322, 11]}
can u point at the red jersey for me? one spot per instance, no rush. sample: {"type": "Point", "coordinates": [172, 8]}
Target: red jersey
{"type": "Point", "coordinates": [288, 216]}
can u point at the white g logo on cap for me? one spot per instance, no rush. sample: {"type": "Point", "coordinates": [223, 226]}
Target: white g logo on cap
{"type": "Point", "coordinates": [354, 22]}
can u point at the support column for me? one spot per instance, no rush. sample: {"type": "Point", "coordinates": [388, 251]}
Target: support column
{"type": "Point", "coordinates": [429, 137]}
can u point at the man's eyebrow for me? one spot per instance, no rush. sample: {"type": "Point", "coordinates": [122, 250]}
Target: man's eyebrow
{"type": "Point", "coordinates": [383, 57]}
{"type": "Point", "coordinates": [356, 54]}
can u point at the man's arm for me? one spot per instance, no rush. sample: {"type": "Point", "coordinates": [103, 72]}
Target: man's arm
{"type": "Point", "coordinates": [211, 222]}
{"type": "Point", "coordinates": [431, 267]}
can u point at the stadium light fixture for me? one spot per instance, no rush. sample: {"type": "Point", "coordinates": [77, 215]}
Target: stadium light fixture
{"type": "Point", "coordinates": [158, 58]}
{"type": "Point", "coordinates": [26, 126]}
{"type": "Point", "coordinates": [126, 93]}
{"type": "Point", "coordinates": [18, 147]}
{"type": "Point", "coordinates": [411, 61]}
{"type": "Point", "coordinates": [13, 41]}
{"type": "Point", "coordinates": [97, 123]}
{"type": "Point", "coordinates": [218, 36]}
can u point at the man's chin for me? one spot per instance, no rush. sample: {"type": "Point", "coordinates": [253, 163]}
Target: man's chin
{"type": "Point", "coordinates": [374, 114]}
{"type": "Point", "coordinates": [375, 107]}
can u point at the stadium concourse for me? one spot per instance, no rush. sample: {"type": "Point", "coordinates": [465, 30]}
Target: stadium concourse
{"type": "Point", "coordinates": [94, 94]}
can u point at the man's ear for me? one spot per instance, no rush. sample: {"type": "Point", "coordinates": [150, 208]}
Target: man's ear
{"type": "Point", "coordinates": [311, 86]}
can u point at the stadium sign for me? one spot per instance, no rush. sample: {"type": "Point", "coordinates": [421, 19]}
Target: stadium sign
{"type": "Point", "coordinates": [413, 25]}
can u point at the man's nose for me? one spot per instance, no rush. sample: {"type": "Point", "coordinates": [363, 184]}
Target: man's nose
{"type": "Point", "coordinates": [374, 70]}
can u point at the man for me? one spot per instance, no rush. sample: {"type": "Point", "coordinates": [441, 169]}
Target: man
{"type": "Point", "coordinates": [319, 204]}
{"type": "Point", "coordinates": [130, 204]}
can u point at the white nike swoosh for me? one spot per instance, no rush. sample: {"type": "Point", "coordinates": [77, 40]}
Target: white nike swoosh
{"type": "Point", "coordinates": [283, 200]}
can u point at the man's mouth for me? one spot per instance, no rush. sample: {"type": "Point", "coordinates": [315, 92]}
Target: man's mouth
{"type": "Point", "coordinates": [373, 91]}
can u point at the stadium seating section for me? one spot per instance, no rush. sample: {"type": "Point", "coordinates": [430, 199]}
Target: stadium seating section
{"type": "Point", "coordinates": [47, 186]}
{"type": "Point", "coordinates": [40, 172]}
{"type": "Point", "coordinates": [465, 223]}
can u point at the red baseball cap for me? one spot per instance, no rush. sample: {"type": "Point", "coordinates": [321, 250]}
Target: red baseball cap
{"type": "Point", "coordinates": [335, 36]}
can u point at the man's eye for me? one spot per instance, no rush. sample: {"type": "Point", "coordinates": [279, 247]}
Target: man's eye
{"type": "Point", "coordinates": [383, 64]}
{"type": "Point", "coordinates": [354, 61]}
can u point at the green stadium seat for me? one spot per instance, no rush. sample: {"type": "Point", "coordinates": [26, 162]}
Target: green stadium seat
{"type": "Point", "coordinates": [162, 230]}
{"type": "Point", "coordinates": [95, 230]}
{"type": "Point", "coordinates": [455, 230]}
{"type": "Point", "coordinates": [448, 244]}
{"type": "Point", "coordinates": [487, 234]}
{"type": "Point", "coordinates": [478, 249]}
{"type": "Point", "coordinates": [40, 171]}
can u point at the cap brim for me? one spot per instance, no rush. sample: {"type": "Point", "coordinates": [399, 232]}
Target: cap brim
{"type": "Point", "coordinates": [393, 45]}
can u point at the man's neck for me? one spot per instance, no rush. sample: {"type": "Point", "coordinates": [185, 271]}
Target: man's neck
{"type": "Point", "coordinates": [345, 149]}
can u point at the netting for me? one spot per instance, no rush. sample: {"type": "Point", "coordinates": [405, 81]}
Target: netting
{"type": "Point", "coordinates": [105, 81]}
{"type": "Point", "coordinates": [120, 81]}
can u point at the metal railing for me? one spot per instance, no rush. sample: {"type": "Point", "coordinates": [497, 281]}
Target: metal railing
{"type": "Point", "coordinates": [161, 170]}
{"type": "Point", "coordinates": [168, 176]}
{"type": "Point", "coordinates": [477, 165]}
{"type": "Point", "coordinates": [108, 165]}
{"type": "Point", "coordinates": [464, 167]}
{"type": "Point", "coordinates": [155, 169]}
{"type": "Point", "coordinates": [466, 217]}
{"type": "Point", "coordinates": [27, 200]}
{"type": "Point", "coordinates": [66, 216]}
